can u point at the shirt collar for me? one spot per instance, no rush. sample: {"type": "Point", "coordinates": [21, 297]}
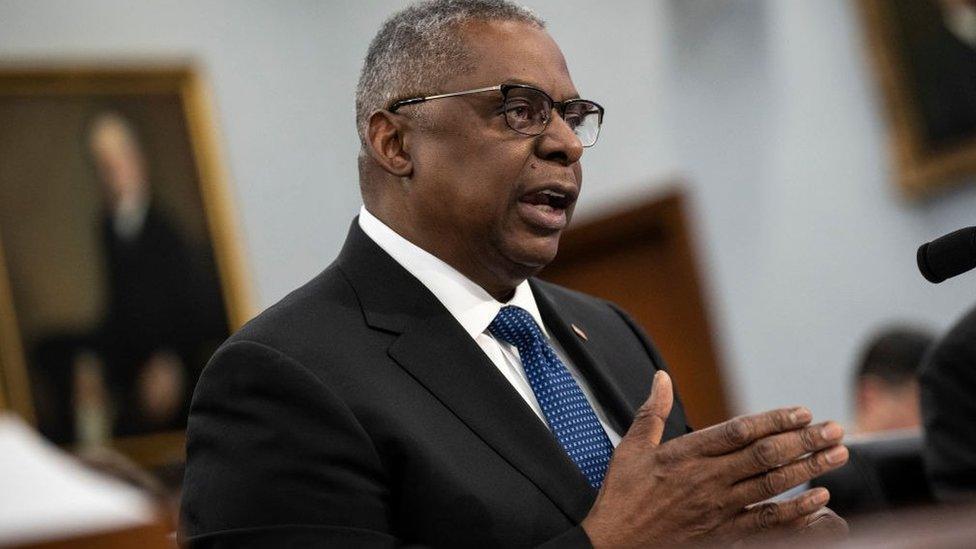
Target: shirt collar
{"type": "Point", "coordinates": [470, 304]}
{"type": "Point", "coordinates": [129, 216]}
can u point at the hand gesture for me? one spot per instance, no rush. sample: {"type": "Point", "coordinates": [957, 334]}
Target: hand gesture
{"type": "Point", "coordinates": [706, 486]}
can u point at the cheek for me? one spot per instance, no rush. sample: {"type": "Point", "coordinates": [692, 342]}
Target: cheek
{"type": "Point", "coordinates": [487, 184]}
{"type": "Point", "coordinates": [483, 206]}
{"type": "Point", "coordinates": [474, 179]}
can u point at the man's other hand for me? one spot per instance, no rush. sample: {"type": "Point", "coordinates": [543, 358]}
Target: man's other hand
{"type": "Point", "coordinates": [705, 486]}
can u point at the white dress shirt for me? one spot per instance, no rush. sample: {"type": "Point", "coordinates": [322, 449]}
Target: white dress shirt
{"type": "Point", "coordinates": [474, 309]}
{"type": "Point", "coordinates": [129, 216]}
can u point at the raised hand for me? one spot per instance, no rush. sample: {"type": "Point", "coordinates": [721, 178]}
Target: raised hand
{"type": "Point", "coordinates": [705, 486]}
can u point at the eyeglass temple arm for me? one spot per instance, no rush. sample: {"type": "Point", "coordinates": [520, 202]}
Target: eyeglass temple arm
{"type": "Point", "coordinates": [465, 92]}
{"type": "Point", "coordinates": [415, 100]}
{"type": "Point", "coordinates": [404, 102]}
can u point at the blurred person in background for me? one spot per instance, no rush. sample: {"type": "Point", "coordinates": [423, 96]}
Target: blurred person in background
{"type": "Point", "coordinates": [885, 471]}
{"type": "Point", "coordinates": [886, 384]}
{"type": "Point", "coordinates": [131, 372]}
{"type": "Point", "coordinates": [948, 385]}
{"type": "Point", "coordinates": [161, 307]}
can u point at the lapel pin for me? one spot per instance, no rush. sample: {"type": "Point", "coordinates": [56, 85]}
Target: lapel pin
{"type": "Point", "coordinates": [579, 332]}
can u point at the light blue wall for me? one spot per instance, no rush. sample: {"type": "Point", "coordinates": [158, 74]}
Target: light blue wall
{"type": "Point", "coordinates": [779, 127]}
{"type": "Point", "coordinates": [764, 107]}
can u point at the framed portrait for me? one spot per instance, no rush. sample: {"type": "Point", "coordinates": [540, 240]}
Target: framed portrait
{"type": "Point", "coordinates": [924, 52]}
{"type": "Point", "coordinates": [120, 264]}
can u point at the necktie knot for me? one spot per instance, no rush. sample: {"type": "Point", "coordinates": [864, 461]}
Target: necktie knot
{"type": "Point", "coordinates": [515, 325]}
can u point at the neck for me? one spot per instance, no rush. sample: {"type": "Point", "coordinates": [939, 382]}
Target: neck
{"type": "Point", "coordinates": [500, 295]}
{"type": "Point", "coordinates": [498, 283]}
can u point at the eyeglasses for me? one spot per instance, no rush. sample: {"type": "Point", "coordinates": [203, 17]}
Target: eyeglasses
{"type": "Point", "coordinates": [528, 110]}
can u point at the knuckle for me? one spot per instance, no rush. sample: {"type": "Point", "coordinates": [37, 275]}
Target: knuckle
{"type": "Point", "coordinates": [642, 415]}
{"type": "Point", "coordinates": [808, 439]}
{"type": "Point", "coordinates": [774, 482]}
{"type": "Point", "coordinates": [669, 455]}
{"type": "Point", "coordinates": [643, 420]}
{"type": "Point", "coordinates": [781, 420]}
{"type": "Point", "coordinates": [767, 516]}
{"type": "Point", "coordinates": [648, 413]}
{"type": "Point", "coordinates": [660, 458]}
{"type": "Point", "coordinates": [801, 507]}
{"type": "Point", "coordinates": [814, 465]}
{"type": "Point", "coordinates": [736, 432]}
{"type": "Point", "coordinates": [766, 454]}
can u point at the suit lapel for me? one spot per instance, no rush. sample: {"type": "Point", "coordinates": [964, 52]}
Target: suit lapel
{"type": "Point", "coordinates": [598, 374]}
{"type": "Point", "coordinates": [619, 397]}
{"type": "Point", "coordinates": [440, 355]}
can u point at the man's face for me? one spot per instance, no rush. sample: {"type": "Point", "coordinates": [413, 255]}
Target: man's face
{"type": "Point", "coordinates": [476, 198]}
{"type": "Point", "coordinates": [118, 162]}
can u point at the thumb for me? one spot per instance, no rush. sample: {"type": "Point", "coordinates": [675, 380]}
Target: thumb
{"type": "Point", "coordinates": [649, 421]}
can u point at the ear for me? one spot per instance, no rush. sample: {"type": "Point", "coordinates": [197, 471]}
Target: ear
{"type": "Point", "coordinates": [385, 141]}
{"type": "Point", "coordinates": [868, 393]}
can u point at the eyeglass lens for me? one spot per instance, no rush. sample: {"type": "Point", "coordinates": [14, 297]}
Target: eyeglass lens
{"type": "Point", "coordinates": [528, 111]}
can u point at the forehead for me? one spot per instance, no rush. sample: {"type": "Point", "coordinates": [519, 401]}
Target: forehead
{"type": "Point", "coordinates": [108, 136]}
{"type": "Point", "coordinates": [510, 51]}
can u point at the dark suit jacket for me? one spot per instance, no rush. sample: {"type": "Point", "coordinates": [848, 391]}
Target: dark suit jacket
{"type": "Point", "coordinates": [358, 412]}
{"type": "Point", "coordinates": [948, 386]}
{"type": "Point", "coordinates": [162, 295]}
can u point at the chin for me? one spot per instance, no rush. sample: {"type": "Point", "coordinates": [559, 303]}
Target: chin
{"type": "Point", "coordinates": [531, 255]}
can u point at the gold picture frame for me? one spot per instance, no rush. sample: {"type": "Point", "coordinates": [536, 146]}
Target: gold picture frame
{"type": "Point", "coordinates": [173, 100]}
{"type": "Point", "coordinates": [933, 147]}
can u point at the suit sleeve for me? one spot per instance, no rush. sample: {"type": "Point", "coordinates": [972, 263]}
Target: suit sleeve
{"type": "Point", "coordinates": [276, 459]}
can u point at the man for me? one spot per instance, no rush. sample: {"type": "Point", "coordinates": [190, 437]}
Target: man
{"type": "Point", "coordinates": [425, 390]}
{"type": "Point", "coordinates": [163, 309]}
{"type": "Point", "coordinates": [885, 470]}
{"type": "Point", "coordinates": [887, 380]}
{"type": "Point", "coordinates": [948, 382]}
{"type": "Point", "coordinates": [133, 373]}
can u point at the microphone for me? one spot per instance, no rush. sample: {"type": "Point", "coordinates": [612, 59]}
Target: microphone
{"type": "Point", "coordinates": [948, 256]}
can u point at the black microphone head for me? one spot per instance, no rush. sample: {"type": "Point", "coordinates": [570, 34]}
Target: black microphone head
{"type": "Point", "coordinates": [948, 256]}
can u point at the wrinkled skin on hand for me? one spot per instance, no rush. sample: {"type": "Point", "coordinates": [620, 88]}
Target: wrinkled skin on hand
{"type": "Point", "coordinates": [709, 487]}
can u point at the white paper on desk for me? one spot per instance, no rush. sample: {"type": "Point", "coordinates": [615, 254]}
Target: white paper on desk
{"type": "Point", "coordinates": [45, 494]}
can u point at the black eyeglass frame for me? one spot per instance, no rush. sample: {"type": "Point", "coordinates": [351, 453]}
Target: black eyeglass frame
{"type": "Point", "coordinates": [560, 106]}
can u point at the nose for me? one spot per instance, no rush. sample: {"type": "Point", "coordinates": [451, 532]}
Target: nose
{"type": "Point", "coordinates": [559, 142]}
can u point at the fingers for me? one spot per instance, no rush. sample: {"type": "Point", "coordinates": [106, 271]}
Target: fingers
{"type": "Point", "coordinates": [650, 419]}
{"type": "Point", "coordinates": [825, 525]}
{"type": "Point", "coordinates": [783, 478]}
{"type": "Point", "coordinates": [765, 516]}
{"type": "Point", "coordinates": [738, 432]}
{"type": "Point", "coordinates": [773, 451]}
{"type": "Point", "coordinates": [822, 526]}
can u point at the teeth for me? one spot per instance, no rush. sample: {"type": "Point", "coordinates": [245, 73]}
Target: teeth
{"type": "Point", "coordinates": [554, 193]}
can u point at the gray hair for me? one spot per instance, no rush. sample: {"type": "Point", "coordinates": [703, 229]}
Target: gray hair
{"type": "Point", "coordinates": [417, 47]}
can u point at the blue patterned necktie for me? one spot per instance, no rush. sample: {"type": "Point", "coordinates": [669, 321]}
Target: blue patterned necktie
{"type": "Point", "coordinates": [572, 420]}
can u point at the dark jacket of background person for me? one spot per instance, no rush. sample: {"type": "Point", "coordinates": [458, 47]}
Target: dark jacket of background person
{"type": "Point", "coordinates": [357, 412]}
{"type": "Point", "coordinates": [161, 297]}
{"type": "Point", "coordinates": [948, 385]}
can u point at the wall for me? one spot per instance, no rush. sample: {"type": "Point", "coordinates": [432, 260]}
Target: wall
{"type": "Point", "coordinates": [779, 128]}
{"type": "Point", "coordinates": [765, 108]}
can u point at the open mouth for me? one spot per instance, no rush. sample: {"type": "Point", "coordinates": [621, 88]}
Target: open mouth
{"type": "Point", "coordinates": [546, 208]}
{"type": "Point", "coordinates": [552, 199]}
